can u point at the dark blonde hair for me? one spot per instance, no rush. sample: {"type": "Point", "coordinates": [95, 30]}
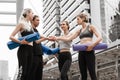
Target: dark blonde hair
{"type": "Point", "coordinates": [67, 23]}
{"type": "Point", "coordinates": [83, 16]}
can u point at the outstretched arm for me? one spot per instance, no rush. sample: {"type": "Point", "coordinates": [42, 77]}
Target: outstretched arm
{"type": "Point", "coordinates": [43, 38]}
{"type": "Point", "coordinates": [69, 37]}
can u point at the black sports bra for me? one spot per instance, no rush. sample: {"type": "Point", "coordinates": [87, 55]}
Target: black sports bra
{"type": "Point", "coordinates": [86, 33]}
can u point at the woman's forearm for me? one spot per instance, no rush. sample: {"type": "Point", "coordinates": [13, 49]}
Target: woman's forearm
{"type": "Point", "coordinates": [67, 38]}
{"type": "Point", "coordinates": [14, 39]}
{"type": "Point", "coordinates": [40, 40]}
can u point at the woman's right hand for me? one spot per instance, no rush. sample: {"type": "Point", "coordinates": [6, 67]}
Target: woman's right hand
{"type": "Point", "coordinates": [24, 42]}
{"type": "Point", "coordinates": [52, 38]}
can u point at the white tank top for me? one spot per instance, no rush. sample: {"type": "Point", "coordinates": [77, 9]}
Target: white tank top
{"type": "Point", "coordinates": [64, 44]}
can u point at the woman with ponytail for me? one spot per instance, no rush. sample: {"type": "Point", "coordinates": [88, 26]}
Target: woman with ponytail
{"type": "Point", "coordinates": [25, 51]}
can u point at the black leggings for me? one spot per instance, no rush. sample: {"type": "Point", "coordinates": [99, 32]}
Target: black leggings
{"type": "Point", "coordinates": [64, 64]}
{"type": "Point", "coordinates": [87, 60]}
{"type": "Point", "coordinates": [37, 68]}
{"type": "Point", "coordinates": [25, 60]}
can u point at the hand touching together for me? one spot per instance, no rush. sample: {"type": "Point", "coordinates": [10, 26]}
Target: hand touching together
{"type": "Point", "coordinates": [52, 38]}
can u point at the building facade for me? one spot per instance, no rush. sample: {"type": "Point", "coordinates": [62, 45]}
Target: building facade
{"type": "Point", "coordinates": [51, 16]}
{"type": "Point", "coordinates": [107, 61]}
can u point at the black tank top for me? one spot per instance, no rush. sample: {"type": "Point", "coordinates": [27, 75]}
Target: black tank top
{"type": "Point", "coordinates": [25, 33]}
{"type": "Point", "coordinates": [37, 48]}
{"type": "Point", "coordinates": [86, 33]}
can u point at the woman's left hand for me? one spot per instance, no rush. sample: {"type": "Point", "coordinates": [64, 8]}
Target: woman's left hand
{"type": "Point", "coordinates": [90, 47]}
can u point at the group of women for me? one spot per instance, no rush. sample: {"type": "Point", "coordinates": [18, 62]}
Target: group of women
{"type": "Point", "coordinates": [30, 53]}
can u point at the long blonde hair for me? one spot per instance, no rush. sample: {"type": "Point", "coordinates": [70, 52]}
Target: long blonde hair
{"type": "Point", "coordinates": [22, 20]}
{"type": "Point", "coordinates": [24, 14]}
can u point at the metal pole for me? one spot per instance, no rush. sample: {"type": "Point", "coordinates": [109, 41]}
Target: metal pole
{"type": "Point", "coordinates": [20, 5]}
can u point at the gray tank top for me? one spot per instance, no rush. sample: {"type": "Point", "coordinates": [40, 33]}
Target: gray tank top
{"type": "Point", "coordinates": [64, 44]}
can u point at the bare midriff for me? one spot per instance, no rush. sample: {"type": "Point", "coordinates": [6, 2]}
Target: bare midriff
{"type": "Point", "coordinates": [64, 50]}
{"type": "Point", "coordinates": [85, 40]}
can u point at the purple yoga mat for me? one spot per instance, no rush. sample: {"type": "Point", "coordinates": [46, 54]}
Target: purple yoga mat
{"type": "Point", "coordinates": [83, 47]}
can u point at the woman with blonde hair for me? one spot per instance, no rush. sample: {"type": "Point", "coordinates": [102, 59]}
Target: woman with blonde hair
{"type": "Point", "coordinates": [25, 51]}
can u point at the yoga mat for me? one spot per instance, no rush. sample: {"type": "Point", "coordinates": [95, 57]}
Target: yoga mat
{"type": "Point", "coordinates": [49, 51]}
{"type": "Point", "coordinates": [83, 47]}
{"type": "Point", "coordinates": [29, 38]}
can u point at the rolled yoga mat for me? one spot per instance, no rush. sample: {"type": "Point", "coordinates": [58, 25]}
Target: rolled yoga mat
{"type": "Point", "coordinates": [83, 47]}
{"type": "Point", "coordinates": [49, 51]}
{"type": "Point", "coordinates": [29, 38]}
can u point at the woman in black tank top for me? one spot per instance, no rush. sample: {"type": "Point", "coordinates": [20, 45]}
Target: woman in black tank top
{"type": "Point", "coordinates": [86, 58]}
{"type": "Point", "coordinates": [25, 51]}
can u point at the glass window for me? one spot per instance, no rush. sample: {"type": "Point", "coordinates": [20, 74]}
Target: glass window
{"type": "Point", "coordinates": [7, 19]}
{"type": "Point", "coordinates": [8, 7]}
